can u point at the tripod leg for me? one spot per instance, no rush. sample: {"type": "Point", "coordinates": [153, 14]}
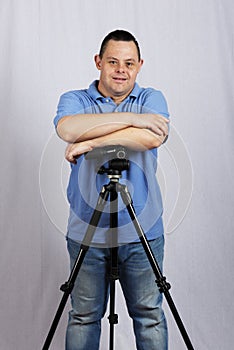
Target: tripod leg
{"type": "Point", "coordinates": [163, 285]}
{"type": "Point", "coordinates": [68, 286]}
{"type": "Point", "coordinates": [113, 317]}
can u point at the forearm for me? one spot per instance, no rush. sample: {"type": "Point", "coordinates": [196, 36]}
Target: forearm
{"type": "Point", "coordinates": [131, 137]}
{"type": "Point", "coordinates": [82, 127]}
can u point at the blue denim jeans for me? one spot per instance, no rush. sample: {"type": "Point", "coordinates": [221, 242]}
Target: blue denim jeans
{"type": "Point", "coordinates": [91, 291]}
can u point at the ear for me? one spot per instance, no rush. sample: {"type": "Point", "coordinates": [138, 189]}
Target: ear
{"type": "Point", "coordinates": [140, 65]}
{"type": "Point", "coordinates": [98, 62]}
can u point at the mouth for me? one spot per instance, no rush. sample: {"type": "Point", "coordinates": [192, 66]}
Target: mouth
{"type": "Point", "coordinates": [119, 79]}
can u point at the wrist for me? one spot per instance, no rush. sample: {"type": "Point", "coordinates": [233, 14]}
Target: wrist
{"type": "Point", "coordinates": [131, 117]}
{"type": "Point", "coordinates": [94, 143]}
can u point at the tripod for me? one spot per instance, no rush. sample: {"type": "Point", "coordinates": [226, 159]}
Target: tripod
{"type": "Point", "coordinates": [114, 173]}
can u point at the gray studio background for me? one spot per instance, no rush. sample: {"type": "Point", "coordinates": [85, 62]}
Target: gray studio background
{"type": "Point", "coordinates": [47, 48]}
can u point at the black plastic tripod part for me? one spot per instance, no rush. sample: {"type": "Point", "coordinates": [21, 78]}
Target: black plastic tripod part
{"type": "Point", "coordinates": [113, 319]}
{"type": "Point", "coordinates": [108, 153]}
{"type": "Point", "coordinates": [163, 285]}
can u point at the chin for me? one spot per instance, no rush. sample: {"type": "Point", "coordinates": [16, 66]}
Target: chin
{"type": "Point", "coordinates": [121, 89]}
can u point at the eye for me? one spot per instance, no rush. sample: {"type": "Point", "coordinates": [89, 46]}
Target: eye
{"type": "Point", "coordinates": [129, 64]}
{"type": "Point", "coordinates": [112, 62]}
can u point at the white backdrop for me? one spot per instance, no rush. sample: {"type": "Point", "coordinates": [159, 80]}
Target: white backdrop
{"type": "Point", "coordinates": [47, 48]}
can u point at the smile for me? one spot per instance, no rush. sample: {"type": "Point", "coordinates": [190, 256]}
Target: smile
{"type": "Point", "coordinates": [119, 79]}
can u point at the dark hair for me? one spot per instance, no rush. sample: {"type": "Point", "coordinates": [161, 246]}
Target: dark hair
{"type": "Point", "coordinates": [119, 35]}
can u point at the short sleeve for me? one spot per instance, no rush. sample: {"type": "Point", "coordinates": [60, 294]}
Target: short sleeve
{"type": "Point", "coordinates": [155, 102]}
{"type": "Point", "coordinates": [69, 103]}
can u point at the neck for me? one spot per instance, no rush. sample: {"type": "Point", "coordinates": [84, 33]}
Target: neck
{"type": "Point", "coordinates": [116, 98]}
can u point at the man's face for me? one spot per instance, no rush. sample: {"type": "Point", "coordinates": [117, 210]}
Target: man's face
{"type": "Point", "coordinates": [118, 67]}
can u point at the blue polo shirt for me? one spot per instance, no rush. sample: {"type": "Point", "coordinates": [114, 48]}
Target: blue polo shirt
{"type": "Point", "coordinates": [85, 184]}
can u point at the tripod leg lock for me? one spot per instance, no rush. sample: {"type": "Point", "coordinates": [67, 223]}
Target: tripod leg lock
{"type": "Point", "coordinates": [67, 287]}
{"type": "Point", "coordinates": [114, 275]}
{"type": "Point", "coordinates": [163, 285]}
{"type": "Point", "coordinates": [113, 319]}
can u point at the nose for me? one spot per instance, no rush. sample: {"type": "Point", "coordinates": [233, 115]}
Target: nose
{"type": "Point", "coordinates": [120, 67]}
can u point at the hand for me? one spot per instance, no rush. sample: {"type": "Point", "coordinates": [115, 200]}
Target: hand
{"type": "Point", "coordinates": [75, 150]}
{"type": "Point", "coordinates": [154, 122]}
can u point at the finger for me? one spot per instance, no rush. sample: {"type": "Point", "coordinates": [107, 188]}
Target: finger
{"type": "Point", "coordinates": [68, 149]}
{"type": "Point", "coordinates": [72, 152]}
{"type": "Point", "coordinates": [69, 157]}
{"type": "Point", "coordinates": [161, 117]}
{"type": "Point", "coordinates": [165, 129]}
{"type": "Point", "coordinates": [75, 152]}
{"type": "Point", "coordinates": [160, 129]}
{"type": "Point", "coordinates": [165, 119]}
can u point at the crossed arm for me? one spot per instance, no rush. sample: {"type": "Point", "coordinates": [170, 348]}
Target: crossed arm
{"type": "Point", "coordinates": [85, 132]}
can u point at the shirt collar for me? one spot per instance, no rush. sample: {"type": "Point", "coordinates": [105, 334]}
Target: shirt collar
{"type": "Point", "coordinates": [95, 94]}
{"type": "Point", "coordinates": [93, 91]}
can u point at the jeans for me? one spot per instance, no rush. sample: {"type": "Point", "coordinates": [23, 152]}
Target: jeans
{"type": "Point", "coordinates": [90, 294]}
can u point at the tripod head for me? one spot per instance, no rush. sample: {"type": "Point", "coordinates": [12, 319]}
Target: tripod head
{"type": "Point", "coordinates": [116, 156]}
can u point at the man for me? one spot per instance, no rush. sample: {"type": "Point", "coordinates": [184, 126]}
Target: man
{"type": "Point", "coordinates": [115, 111]}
